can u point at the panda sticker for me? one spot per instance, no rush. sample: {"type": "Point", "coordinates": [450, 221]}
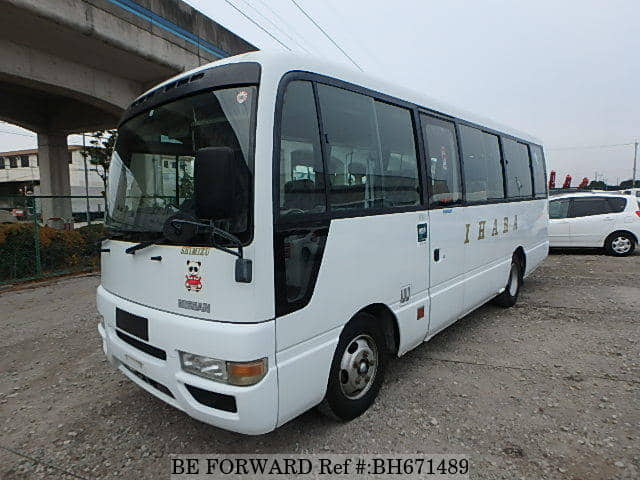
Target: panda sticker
{"type": "Point", "coordinates": [193, 279]}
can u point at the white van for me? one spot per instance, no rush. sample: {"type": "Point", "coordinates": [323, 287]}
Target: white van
{"type": "Point", "coordinates": [595, 220]}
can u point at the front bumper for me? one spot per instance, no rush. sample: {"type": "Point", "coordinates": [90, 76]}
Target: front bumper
{"type": "Point", "coordinates": [256, 406]}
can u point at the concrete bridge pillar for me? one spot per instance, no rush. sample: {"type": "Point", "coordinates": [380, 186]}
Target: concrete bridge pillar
{"type": "Point", "coordinates": [53, 158]}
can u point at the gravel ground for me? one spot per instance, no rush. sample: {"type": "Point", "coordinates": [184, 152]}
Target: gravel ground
{"type": "Point", "coordinates": [548, 389]}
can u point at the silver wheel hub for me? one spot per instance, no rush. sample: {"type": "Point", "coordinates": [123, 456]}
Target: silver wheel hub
{"type": "Point", "coordinates": [621, 245]}
{"type": "Point", "coordinates": [358, 367]}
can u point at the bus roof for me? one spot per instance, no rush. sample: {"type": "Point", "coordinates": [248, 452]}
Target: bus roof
{"type": "Point", "coordinates": [283, 62]}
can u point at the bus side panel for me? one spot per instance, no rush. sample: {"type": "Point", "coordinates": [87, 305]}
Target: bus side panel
{"type": "Point", "coordinates": [495, 232]}
{"type": "Point", "coordinates": [489, 247]}
{"type": "Point", "coordinates": [366, 260]}
{"type": "Point", "coordinates": [538, 247]}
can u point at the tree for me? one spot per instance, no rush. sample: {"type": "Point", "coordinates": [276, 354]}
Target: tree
{"type": "Point", "coordinates": [627, 184]}
{"type": "Point", "coordinates": [186, 185]}
{"type": "Point", "coordinates": [99, 151]}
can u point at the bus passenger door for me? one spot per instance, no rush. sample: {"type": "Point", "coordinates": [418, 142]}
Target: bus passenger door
{"type": "Point", "coordinates": [446, 221]}
{"type": "Point", "coordinates": [447, 266]}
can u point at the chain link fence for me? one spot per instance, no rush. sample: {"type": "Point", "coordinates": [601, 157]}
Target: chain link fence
{"type": "Point", "coordinates": [35, 243]}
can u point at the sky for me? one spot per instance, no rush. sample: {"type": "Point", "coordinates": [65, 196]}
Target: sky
{"type": "Point", "coordinates": [565, 71]}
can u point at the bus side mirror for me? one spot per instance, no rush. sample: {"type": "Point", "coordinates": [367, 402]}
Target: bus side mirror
{"type": "Point", "coordinates": [217, 178]}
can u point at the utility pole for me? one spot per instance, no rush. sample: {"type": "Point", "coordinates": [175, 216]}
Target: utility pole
{"type": "Point", "coordinates": [86, 179]}
{"type": "Point", "coordinates": [635, 164]}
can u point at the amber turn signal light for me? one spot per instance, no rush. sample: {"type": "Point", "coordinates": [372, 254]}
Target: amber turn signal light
{"type": "Point", "coordinates": [246, 373]}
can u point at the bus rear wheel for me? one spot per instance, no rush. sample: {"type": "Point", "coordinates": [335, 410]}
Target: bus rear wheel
{"type": "Point", "coordinates": [357, 370]}
{"type": "Point", "coordinates": [509, 297]}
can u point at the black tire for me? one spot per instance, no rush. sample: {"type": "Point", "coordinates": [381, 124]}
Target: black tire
{"type": "Point", "coordinates": [337, 404]}
{"type": "Point", "coordinates": [620, 244]}
{"type": "Point", "coordinates": [509, 297]}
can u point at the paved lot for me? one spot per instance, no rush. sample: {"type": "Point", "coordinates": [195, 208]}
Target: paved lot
{"type": "Point", "coordinates": [548, 389]}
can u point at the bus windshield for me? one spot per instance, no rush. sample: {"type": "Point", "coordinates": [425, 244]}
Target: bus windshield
{"type": "Point", "coordinates": [151, 172]}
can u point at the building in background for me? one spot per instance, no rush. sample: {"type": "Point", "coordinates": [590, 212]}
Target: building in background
{"type": "Point", "coordinates": [19, 175]}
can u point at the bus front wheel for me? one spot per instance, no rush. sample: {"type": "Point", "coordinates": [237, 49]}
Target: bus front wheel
{"type": "Point", "coordinates": [357, 369]}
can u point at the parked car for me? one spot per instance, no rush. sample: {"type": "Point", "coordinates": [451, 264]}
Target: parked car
{"type": "Point", "coordinates": [598, 220]}
{"type": "Point", "coordinates": [632, 191]}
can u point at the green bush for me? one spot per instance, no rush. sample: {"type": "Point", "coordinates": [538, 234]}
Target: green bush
{"type": "Point", "coordinates": [60, 250]}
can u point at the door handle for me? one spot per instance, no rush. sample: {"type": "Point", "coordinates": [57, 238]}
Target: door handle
{"type": "Point", "coordinates": [436, 255]}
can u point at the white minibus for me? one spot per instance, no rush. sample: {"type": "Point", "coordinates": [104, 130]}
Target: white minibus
{"type": "Point", "coordinates": [278, 226]}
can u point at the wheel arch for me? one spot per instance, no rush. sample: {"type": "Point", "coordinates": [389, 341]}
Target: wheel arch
{"type": "Point", "coordinates": [387, 322]}
{"type": "Point", "coordinates": [618, 232]}
{"type": "Point", "coordinates": [520, 255]}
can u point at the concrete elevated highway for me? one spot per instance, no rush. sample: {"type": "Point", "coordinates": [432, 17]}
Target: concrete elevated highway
{"type": "Point", "coordinates": [72, 66]}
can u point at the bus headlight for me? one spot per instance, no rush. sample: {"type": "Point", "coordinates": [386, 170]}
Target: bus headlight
{"type": "Point", "coordinates": [233, 373]}
{"type": "Point", "coordinates": [206, 367]}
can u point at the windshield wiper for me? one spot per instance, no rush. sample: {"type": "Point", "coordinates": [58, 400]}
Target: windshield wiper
{"type": "Point", "coordinates": [179, 231]}
{"type": "Point", "coordinates": [178, 222]}
{"type": "Point", "coordinates": [180, 235]}
{"type": "Point", "coordinates": [139, 246]}
{"type": "Point", "coordinates": [181, 228]}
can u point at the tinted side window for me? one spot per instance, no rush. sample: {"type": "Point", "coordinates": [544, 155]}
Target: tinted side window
{"type": "Point", "coordinates": [617, 204]}
{"type": "Point", "coordinates": [301, 170]}
{"type": "Point", "coordinates": [517, 168]}
{"type": "Point", "coordinates": [400, 176]}
{"type": "Point", "coordinates": [372, 161]}
{"type": "Point", "coordinates": [299, 247]}
{"type": "Point", "coordinates": [443, 167]}
{"type": "Point", "coordinates": [300, 251]}
{"type": "Point", "coordinates": [353, 148]}
{"type": "Point", "coordinates": [539, 176]}
{"type": "Point", "coordinates": [584, 207]}
{"type": "Point", "coordinates": [482, 166]}
{"type": "Point", "coordinates": [558, 209]}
